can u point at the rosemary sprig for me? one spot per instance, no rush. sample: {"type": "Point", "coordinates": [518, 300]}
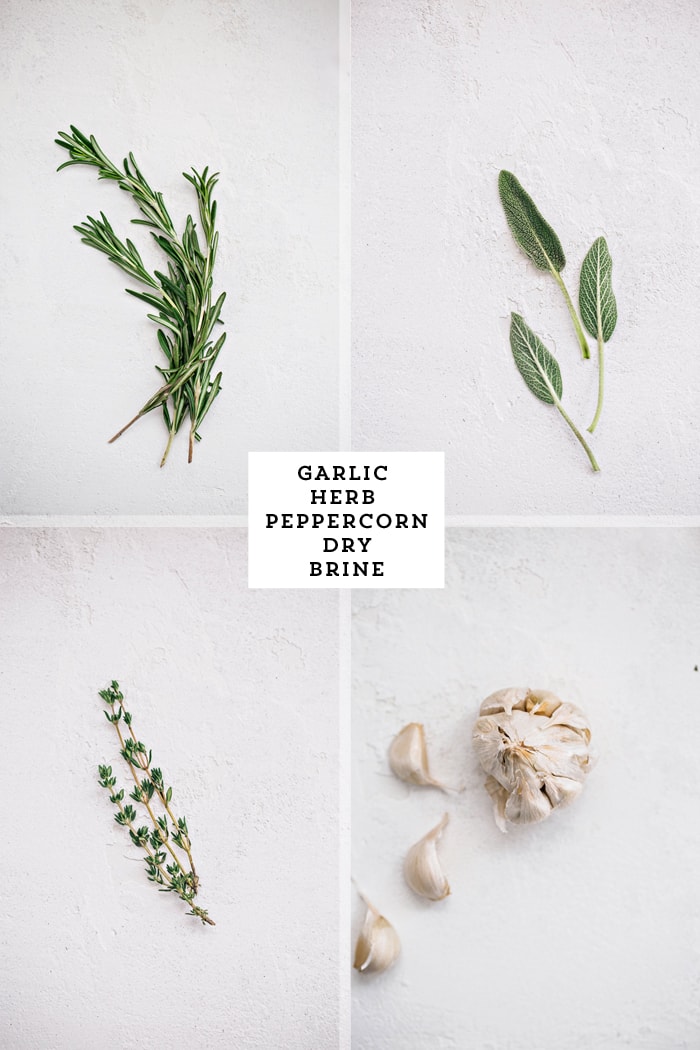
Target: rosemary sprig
{"type": "Point", "coordinates": [167, 830]}
{"type": "Point", "coordinates": [182, 297]}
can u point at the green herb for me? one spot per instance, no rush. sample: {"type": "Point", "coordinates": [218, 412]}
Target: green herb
{"type": "Point", "coordinates": [541, 372]}
{"type": "Point", "coordinates": [182, 297]}
{"type": "Point", "coordinates": [537, 239]}
{"type": "Point", "coordinates": [598, 306]}
{"type": "Point", "coordinates": [167, 834]}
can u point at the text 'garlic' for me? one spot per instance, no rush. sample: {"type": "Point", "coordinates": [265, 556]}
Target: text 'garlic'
{"type": "Point", "coordinates": [408, 757]}
{"type": "Point", "coordinates": [422, 869]}
{"type": "Point", "coordinates": [535, 750]}
{"type": "Point", "coordinates": [378, 945]}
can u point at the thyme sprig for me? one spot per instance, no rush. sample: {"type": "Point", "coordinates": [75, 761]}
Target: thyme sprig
{"type": "Point", "coordinates": [167, 831]}
{"type": "Point", "coordinates": [182, 297]}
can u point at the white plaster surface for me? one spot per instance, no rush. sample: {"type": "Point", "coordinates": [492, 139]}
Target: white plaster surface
{"type": "Point", "coordinates": [595, 108]}
{"type": "Point", "coordinates": [249, 87]}
{"type": "Point", "coordinates": [236, 692]}
{"type": "Point", "coordinates": [583, 931]}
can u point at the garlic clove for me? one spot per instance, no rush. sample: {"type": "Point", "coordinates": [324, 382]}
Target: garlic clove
{"type": "Point", "coordinates": [541, 702]}
{"type": "Point", "coordinates": [489, 746]}
{"type": "Point", "coordinates": [408, 757]}
{"type": "Point", "coordinates": [568, 715]}
{"type": "Point", "coordinates": [422, 869]}
{"type": "Point", "coordinates": [562, 790]}
{"type": "Point", "coordinates": [527, 802]}
{"type": "Point", "coordinates": [500, 796]}
{"type": "Point", "coordinates": [378, 945]}
{"type": "Point", "coordinates": [504, 700]}
{"type": "Point", "coordinates": [563, 756]}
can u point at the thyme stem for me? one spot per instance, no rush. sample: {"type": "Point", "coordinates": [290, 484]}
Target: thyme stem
{"type": "Point", "coordinates": [143, 800]}
{"type": "Point", "coordinates": [146, 767]}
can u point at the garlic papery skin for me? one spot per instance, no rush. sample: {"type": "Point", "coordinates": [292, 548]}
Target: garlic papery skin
{"type": "Point", "coordinates": [535, 750]}
{"type": "Point", "coordinates": [422, 868]}
{"type": "Point", "coordinates": [378, 945]}
{"type": "Point", "coordinates": [408, 757]}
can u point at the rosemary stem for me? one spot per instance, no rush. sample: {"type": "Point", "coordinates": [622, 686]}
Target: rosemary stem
{"type": "Point", "coordinates": [171, 435]}
{"type": "Point", "coordinates": [601, 385]}
{"type": "Point", "coordinates": [193, 424]}
{"type": "Point", "coordinates": [125, 428]}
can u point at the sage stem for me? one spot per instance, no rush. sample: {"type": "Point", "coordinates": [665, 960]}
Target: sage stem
{"type": "Point", "coordinates": [578, 434]}
{"type": "Point", "coordinates": [601, 386]}
{"type": "Point", "coordinates": [583, 343]}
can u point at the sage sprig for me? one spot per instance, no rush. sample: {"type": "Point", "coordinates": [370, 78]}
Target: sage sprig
{"type": "Point", "coordinates": [541, 373]}
{"type": "Point", "coordinates": [167, 834]}
{"type": "Point", "coordinates": [598, 306]}
{"type": "Point", "coordinates": [182, 298]}
{"type": "Point", "coordinates": [537, 239]}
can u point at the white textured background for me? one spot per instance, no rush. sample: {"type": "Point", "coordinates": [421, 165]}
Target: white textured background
{"type": "Point", "coordinates": [249, 87]}
{"type": "Point", "coordinates": [236, 692]}
{"type": "Point", "coordinates": [583, 931]}
{"type": "Point", "coordinates": [595, 107]}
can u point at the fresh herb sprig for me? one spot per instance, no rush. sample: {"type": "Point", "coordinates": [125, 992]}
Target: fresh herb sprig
{"type": "Point", "coordinates": [597, 303]}
{"type": "Point", "coordinates": [541, 372]}
{"type": "Point", "coordinates": [167, 832]}
{"type": "Point", "coordinates": [182, 298]}
{"type": "Point", "coordinates": [538, 240]}
{"type": "Point", "coordinates": [598, 307]}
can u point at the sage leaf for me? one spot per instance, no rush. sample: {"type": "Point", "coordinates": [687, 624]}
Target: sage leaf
{"type": "Point", "coordinates": [541, 373]}
{"type": "Point", "coordinates": [530, 230]}
{"type": "Point", "coordinates": [535, 363]}
{"type": "Point", "coordinates": [597, 301]}
{"type": "Point", "coordinates": [537, 239]}
{"type": "Point", "coordinates": [598, 307]}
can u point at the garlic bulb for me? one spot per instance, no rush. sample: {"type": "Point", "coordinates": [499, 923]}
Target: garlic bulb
{"type": "Point", "coordinates": [422, 869]}
{"type": "Point", "coordinates": [408, 757]}
{"type": "Point", "coordinates": [535, 750]}
{"type": "Point", "coordinates": [378, 946]}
